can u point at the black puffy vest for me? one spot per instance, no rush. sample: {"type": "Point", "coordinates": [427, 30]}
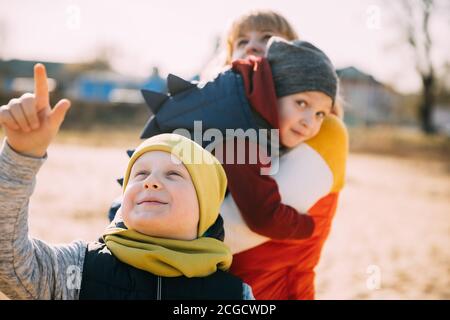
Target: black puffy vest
{"type": "Point", "coordinates": [105, 277]}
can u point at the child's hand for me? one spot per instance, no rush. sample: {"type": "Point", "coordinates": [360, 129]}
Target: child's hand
{"type": "Point", "coordinates": [29, 122]}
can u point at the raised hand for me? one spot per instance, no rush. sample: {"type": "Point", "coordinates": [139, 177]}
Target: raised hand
{"type": "Point", "coordinates": [29, 122]}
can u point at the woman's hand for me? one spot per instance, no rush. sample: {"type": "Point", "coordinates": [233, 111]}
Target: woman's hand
{"type": "Point", "coordinates": [29, 122]}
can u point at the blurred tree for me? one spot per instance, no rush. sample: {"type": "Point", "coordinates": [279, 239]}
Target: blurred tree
{"type": "Point", "coordinates": [3, 37]}
{"type": "Point", "coordinates": [101, 61]}
{"type": "Point", "coordinates": [417, 27]}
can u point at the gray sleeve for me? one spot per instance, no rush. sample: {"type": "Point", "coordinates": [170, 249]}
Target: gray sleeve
{"type": "Point", "coordinates": [247, 292]}
{"type": "Point", "coordinates": [31, 268]}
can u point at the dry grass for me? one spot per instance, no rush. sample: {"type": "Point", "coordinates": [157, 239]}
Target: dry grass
{"type": "Point", "coordinates": [400, 142]}
{"type": "Point", "coordinates": [393, 222]}
{"type": "Point", "coordinates": [123, 137]}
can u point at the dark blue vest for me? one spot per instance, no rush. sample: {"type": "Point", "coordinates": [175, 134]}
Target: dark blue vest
{"type": "Point", "coordinates": [105, 277]}
{"type": "Point", "coordinates": [220, 104]}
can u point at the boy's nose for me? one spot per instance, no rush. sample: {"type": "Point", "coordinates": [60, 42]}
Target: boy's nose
{"type": "Point", "coordinates": [154, 186]}
{"type": "Point", "coordinates": [306, 121]}
{"type": "Point", "coordinates": [152, 183]}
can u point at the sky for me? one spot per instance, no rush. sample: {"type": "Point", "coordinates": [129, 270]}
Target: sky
{"type": "Point", "coordinates": [179, 36]}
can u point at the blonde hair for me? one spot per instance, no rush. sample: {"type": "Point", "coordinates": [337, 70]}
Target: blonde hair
{"type": "Point", "coordinates": [259, 20]}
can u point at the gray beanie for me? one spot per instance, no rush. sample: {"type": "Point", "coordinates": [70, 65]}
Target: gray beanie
{"type": "Point", "coordinates": [298, 66]}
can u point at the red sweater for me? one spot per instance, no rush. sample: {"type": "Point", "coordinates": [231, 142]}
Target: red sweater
{"type": "Point", "coordinates": [257, 196]}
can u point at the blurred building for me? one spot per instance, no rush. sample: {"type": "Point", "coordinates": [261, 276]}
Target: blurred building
{"type": "Point", "coordinates": [17, 75]}
{"type": "Point", "coordinates": [367, 101]}
{"type": "Point", "coordinates": [106, 86]}
{"type": "Point", "coordinates": [441, 118]}
{"type": "Point", "coordinates": [82, 81]}
{"type": "Point", "coordinates": [155, 82]}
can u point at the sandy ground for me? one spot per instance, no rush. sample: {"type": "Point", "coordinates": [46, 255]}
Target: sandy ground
{"type": "Point", "coordinates": [392, 231]}
{"type": "Point", "coordinates": [390, 238]}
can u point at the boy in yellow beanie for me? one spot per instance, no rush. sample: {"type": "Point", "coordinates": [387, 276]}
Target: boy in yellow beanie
{"type": "Point", "coordinates": [165, 242]}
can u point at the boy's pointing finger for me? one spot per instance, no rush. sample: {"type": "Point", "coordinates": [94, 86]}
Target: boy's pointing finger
{"type": "Point", "coordinates": [41, 87]}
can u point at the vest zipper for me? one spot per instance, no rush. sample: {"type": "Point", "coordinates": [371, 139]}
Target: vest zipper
{"type": "Point", "coordinates": [158, 292]}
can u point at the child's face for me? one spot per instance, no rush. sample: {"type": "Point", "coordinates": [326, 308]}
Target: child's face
{"type": "Point", "coordinates": [301, 116]}
{"type": "Point", "coordinates": [251, 43]}
{"type": "Point", "coordinates": [160, 199]}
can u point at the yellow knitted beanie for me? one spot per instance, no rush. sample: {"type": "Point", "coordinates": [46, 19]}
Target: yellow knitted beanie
{"type": "Point", "coordinates": [206, 172]}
